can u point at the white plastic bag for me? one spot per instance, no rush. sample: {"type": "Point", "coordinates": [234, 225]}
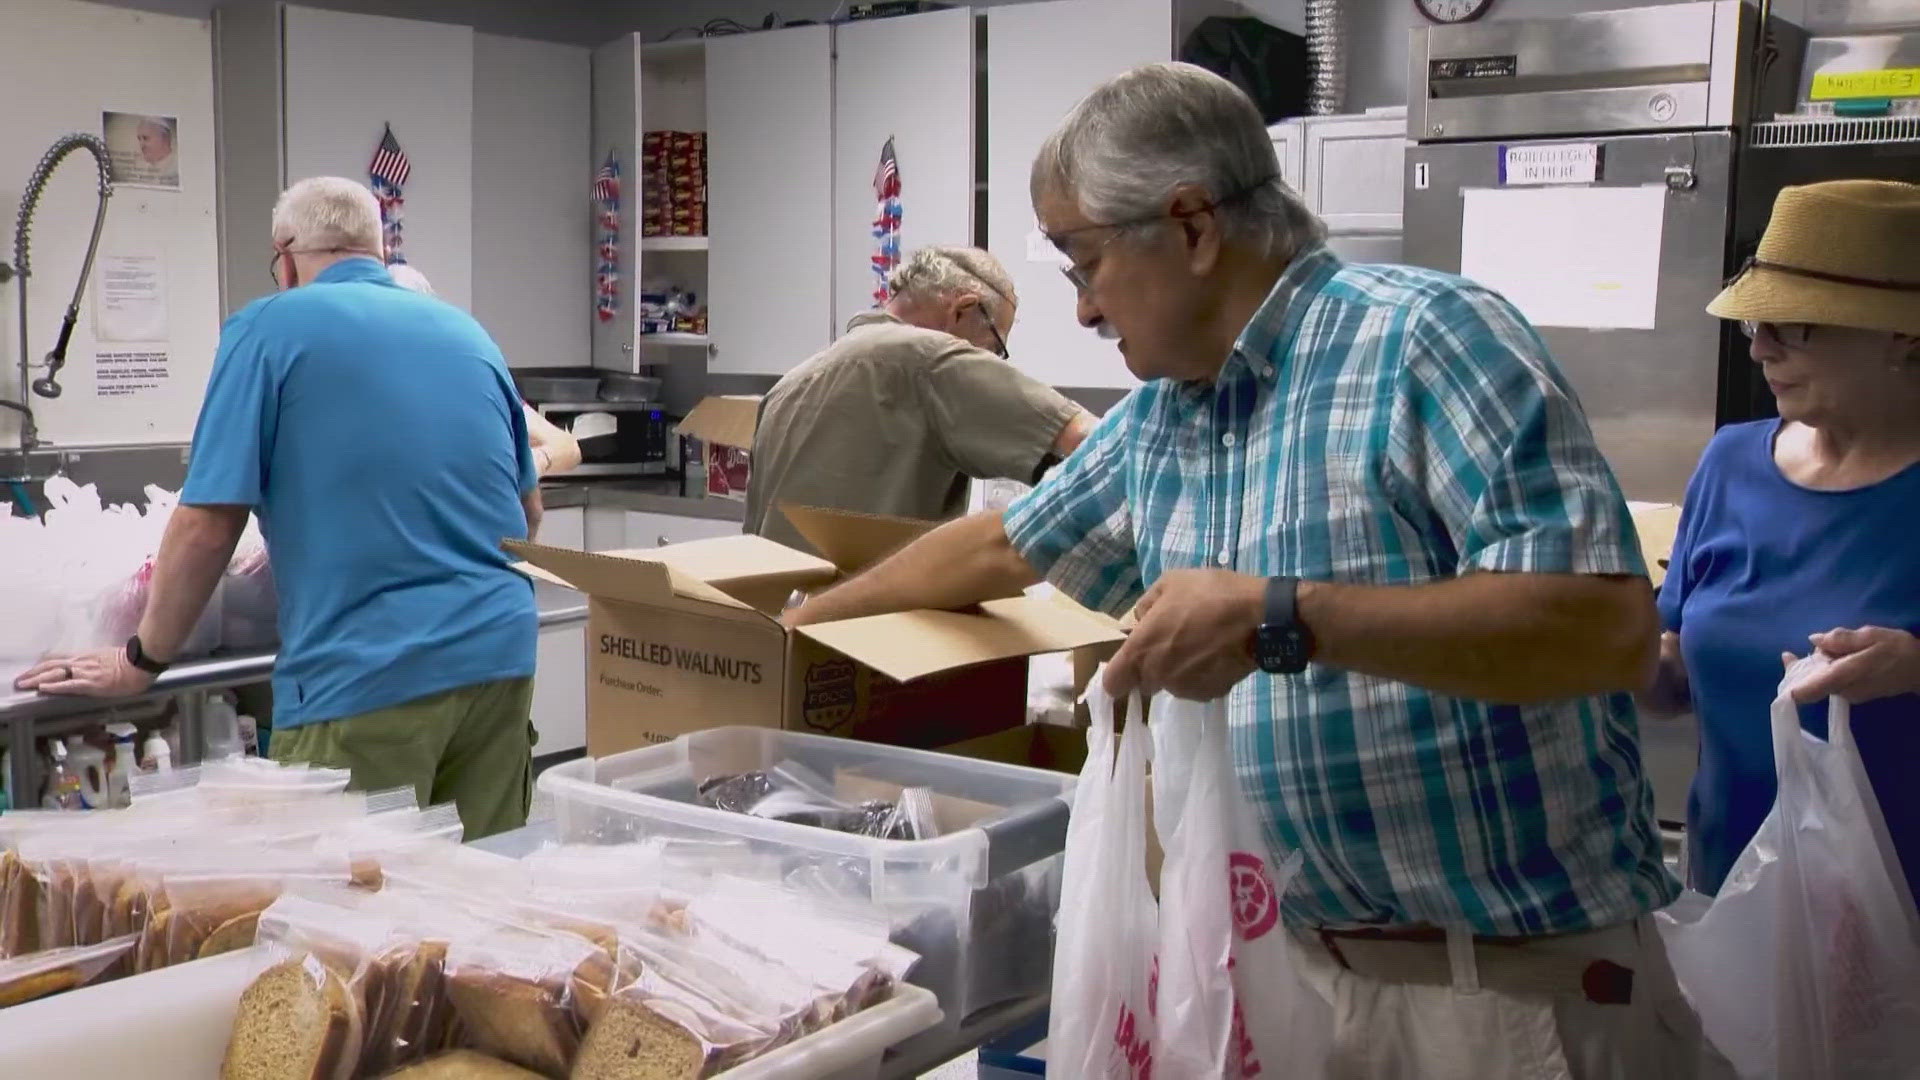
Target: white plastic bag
{"type": "Point", "coordinates": [1220, 890]}
{"type": "Point", "coordinates": [1804, 965]}
{"type": "Point", "coordinates": [1102, 1010]}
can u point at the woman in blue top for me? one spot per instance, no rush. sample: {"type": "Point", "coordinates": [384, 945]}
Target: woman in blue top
{"type": "Point", "coordinates": [1804, 532]}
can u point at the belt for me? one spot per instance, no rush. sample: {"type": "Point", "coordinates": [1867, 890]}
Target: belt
{"type": "Point", "coordinates": [1422, 956]}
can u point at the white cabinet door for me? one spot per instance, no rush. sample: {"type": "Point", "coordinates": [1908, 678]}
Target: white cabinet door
{"type": "Point", "coordinates": [616, 128]}
{"type": "Point", "coordinates": [605, 528]}
{"type": "Point", "coordinates": [348, 77]}
{"type": "Point", "coordinates": [646, 530]}
{"type": "Point", "coordinates": [1042, 58]}
{"type": "Point", "coordinates": [1290, 146]}
{"type": "Point", "coordinates": [931, 127]}
{"type": "Point", "coordinates": [560, 690]}
{"type": "Point", "coordinates": [1356, 168]}
{"type": "Point", "coordinates": [532, 108]}
{"type": "Point", "coordinates": [566, 527]}
{"type": "Point", "coordinates": [769, 194]}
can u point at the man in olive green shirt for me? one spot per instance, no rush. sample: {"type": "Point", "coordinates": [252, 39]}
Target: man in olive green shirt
{"type": "Point", "coordinates": [909, 404]}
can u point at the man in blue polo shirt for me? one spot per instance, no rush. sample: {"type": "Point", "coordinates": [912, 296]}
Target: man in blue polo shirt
{"type": "Point", "coordinates": [378, 436]}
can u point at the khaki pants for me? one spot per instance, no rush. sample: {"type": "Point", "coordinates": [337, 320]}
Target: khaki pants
{"type": "Point", "coordinates": [1387, 1028]}
{"type": "Point", "coordinates": [472, 747]}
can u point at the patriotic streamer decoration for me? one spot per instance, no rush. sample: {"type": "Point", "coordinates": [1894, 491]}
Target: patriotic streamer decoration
{"type": "Point", "coordinates": [606, 270]}
{"type": "Point", "coordinates": [387, 176]}
{"type": "Point", "coordinates": [886, 222]}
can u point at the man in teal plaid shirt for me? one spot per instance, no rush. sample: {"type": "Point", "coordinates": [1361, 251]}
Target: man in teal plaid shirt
{"type": "Point", "coordinates": [1362, 504]}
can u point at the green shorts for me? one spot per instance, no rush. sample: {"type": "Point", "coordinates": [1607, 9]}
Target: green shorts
{"type": "Point", "coordinates": [472, 747]}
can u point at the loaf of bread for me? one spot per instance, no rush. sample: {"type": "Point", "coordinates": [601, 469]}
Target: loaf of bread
{"type": "Point", "coordinates": [637, 1040]}
{"type": "Point", "coordinates": [296, 1021]}
{"type": "Point", "coordinates": [38, 985]}
{"type": "Point", "coordinates": [524, 1020]}
{"type": "Point", "coordinates": [230, 936]}
{"type": "Point", "coordinates": [463, 1065]}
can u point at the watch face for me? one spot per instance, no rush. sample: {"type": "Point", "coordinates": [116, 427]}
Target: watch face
{"type": "Point", "coordinates": [1453, 11]}
{"type": "Point", "coordinates": [1282, 650]}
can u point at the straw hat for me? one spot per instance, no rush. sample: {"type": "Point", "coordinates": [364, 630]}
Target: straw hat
{"type": "Point", "coordinates": [1842, 253]}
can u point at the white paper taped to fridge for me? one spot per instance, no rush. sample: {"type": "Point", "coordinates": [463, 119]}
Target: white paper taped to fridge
{"type": "Point", "coordinates": [1586, 257]}
{"type": "Point", "coordinates": [130, 301]}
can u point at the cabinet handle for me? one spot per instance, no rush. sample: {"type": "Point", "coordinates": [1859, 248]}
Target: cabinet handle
{"type": "Point", "coordinates": [661, 543]}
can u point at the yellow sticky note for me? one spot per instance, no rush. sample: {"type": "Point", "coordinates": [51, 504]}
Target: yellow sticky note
{"type": "Point", "coordinates": [1884, 83]}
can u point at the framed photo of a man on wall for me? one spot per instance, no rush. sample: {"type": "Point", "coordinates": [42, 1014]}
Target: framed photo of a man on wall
{"type": "Point", "coordinates": [143, 149]}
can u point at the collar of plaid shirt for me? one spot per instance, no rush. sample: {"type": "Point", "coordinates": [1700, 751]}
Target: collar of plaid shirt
{"type": "Point", "coordinates": [1390, 426]}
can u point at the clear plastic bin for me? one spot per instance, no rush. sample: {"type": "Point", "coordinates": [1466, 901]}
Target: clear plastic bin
{"type": "Point", "coordinates": [976, 903]}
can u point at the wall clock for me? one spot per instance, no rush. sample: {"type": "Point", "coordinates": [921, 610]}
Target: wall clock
{"type": "Point", "coordinates": [1452, 11]}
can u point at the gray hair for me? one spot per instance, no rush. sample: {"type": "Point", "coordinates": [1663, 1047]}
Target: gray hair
{"type": "Point", "coordinates": [943, 271]}
{"type": "Point", "coordinates": [1123, 150]}
{"type": "Point", "coordinates": [328, 213]}
{"type": "Point", "coordinates": [407, 277]}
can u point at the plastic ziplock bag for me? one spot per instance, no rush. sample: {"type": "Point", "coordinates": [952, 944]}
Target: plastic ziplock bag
{"type": "Point", "coordinates": [1102, 1013]}
{"type": "Point", "coordinates": [1220, 891]}
{"type": "Point", "coordinates": [57, 970]}
{"type": "Point", "coordinates": [792, 792]}
{"type": "Point", "coordinates": [1804, 964]}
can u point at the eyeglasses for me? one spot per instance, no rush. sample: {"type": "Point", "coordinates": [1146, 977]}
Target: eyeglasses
{"type": "Point", "coordinates": [1080, 274]}
{"type": "Point", "coordinates": [1793, 335]}
{"type": "Point", "coordinates": [273, 264]}
{"type": "Point", "coordinates": [999, 343]}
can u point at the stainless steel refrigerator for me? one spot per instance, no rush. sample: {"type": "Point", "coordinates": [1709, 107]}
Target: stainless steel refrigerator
{"type": "Point", "coordinates": [1586, 167]}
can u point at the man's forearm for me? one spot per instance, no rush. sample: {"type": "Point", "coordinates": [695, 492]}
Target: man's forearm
{"type": "Point", "coordinates": [194, 552]}
{"type": "Point", "coordinates": [957, 565]}
{"type": "Point", "coordinates": [536, 510]}
{"type": "Point", "coordinates": [1512, 638]}
{"type": "Point", "coordinates": [1669, 693]}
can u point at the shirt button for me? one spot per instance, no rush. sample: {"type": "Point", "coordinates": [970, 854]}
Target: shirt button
{"type": "Point", "coordinates": [1223, 558]}
{"type": "Point", "coordinates": [1266, 371]}
{"type": "Point", "coordinates": [1227, 439]}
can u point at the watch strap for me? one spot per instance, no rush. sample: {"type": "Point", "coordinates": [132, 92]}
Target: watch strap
{"type": "Point", "coordinates": [1283, 595]}
{"type": "Point", "coordinates": [137, 656]}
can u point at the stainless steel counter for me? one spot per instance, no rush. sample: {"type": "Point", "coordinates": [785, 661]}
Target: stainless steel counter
{"type": "Point", "coordinates": [647, 496]}
{"type": "Point", "coordinates": [29, 716]}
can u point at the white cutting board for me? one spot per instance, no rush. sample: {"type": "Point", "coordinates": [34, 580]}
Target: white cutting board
{"type": "Point", "coordinates": [170, 1024]}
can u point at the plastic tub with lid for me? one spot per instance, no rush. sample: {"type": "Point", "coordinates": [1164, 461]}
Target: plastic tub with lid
{"type": "Point", "coordinates": [976, 902]}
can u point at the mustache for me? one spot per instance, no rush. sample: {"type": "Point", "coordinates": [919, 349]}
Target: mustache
{"type": "Point", "coordinates": [1106, 331]}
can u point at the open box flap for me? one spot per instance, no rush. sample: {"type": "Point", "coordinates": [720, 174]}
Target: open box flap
{"type": "Point", "coordinates": [851, 541]}
{"type": "Point", "coordinates": [608, 576]}
{"type": "Point", "coordinates": [1658, 524]}
{"type": "Point", "coordinates": [742, 567]}
{"type": "Point", "coordinates": [723, 420]}
{"type": "Point", "coordinates": [708, 571]}
{"type": "Point", "coordinates": [911, 644]}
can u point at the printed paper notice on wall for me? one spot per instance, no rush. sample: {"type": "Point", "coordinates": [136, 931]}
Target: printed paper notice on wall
{"type": "Point", "coordinates": [1586, 257]}
{"type": "Point", "coordinates": [130, 372]}
{"type": "Point", "coordinates": [130, 299]}
{"type": "Point", "coordinates": [1556, 163]}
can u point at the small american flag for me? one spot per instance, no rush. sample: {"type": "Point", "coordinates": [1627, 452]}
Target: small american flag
{"type": "Point", "coordinates": [385, 175]}
{"type": "Point", "coordinates": [390, 163]}
{"type": "Point", "coordinates": [606, 184]}
{"type": "Point", "coordinates": [606, 264]}
{"type": "Point", "coordinates": [886, 221]}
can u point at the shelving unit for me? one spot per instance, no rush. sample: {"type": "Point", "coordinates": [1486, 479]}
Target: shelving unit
{"type": "Point", "coordinates": [673, 243]}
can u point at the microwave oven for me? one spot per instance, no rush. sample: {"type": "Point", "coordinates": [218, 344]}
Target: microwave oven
{"type": "Point", "coordinates": [642, 442]}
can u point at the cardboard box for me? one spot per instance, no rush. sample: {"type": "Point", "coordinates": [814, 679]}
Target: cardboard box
{"type": "Point", "coordinates": [1658, 524]}
{"type": "Point", "coordinates": [688, 637]}
{"type": "Point", "coordinates": [726, 425]}
{"type": "Point", "coordinates": [1040, 746]}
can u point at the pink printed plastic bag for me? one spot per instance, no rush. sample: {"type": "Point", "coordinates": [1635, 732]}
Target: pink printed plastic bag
{"type": "Point", "coordinates": [1220, 891]}
{"type": "Point", "coordinates": [1102, 1024]}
